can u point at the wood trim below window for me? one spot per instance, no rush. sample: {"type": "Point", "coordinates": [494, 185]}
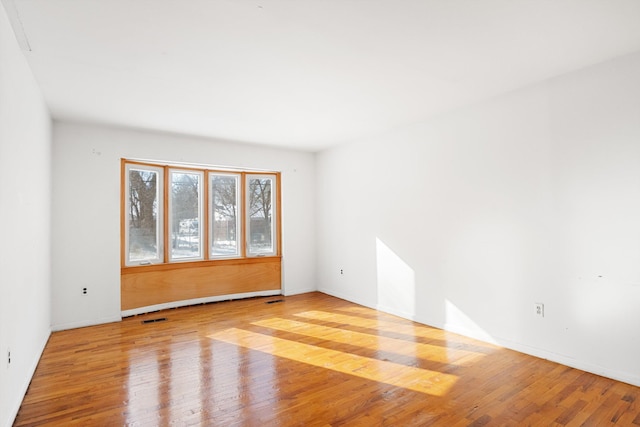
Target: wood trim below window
{"type": "Point", "coordinates": [164, 283]}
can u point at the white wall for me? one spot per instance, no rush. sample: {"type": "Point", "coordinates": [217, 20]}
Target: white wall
{"type": "Point", "coordinates": [25, 205]}
{"type": "Point", "coordinates": [86, 210]}
{"type": "Point", "coordinates": [467, 220]}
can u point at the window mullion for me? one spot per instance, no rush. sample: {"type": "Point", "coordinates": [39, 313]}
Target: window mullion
{"type": "Point", "coordinates": [278, 223]}
{"type": "Point", "coordinates": [206, 223]}
{"type": "Point", "coordinates": [166, 214]}
{"type": "Point", "coordinates": [124, 214]}
{"type": "Point", "coordinates": [242, 209]}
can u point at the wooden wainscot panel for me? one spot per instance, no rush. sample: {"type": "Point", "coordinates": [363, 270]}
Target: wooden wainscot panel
{"type": "Point", "coordinates": [150, 285]}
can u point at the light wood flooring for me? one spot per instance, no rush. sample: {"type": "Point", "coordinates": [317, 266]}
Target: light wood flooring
{"type": "Point", "coordinates": [309, 360]}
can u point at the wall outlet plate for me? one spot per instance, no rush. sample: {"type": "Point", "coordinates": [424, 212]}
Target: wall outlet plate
{"type": "Point", "coordinates": [538, 309]}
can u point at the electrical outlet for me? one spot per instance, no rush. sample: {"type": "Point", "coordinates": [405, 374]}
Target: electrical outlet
{"type": "Point", "coordinates": [84, 291]}
{"type": "Point", "coordinates": [539, 309]}
{"type": "Point", "coordinates": [8, 357]}
{"type": "Point", "coordinates": [341, 271]}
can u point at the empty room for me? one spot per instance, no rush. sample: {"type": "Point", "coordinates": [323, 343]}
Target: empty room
{"type": "Point", "coordinates": [320, 212]}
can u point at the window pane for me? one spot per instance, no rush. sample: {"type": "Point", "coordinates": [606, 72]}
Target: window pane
{"type": "Point", "coordinates": [224, 216]}
{"type": "Point", "coordinates": [185, 209]}
{"type": "Point", "coordinates": [260, 212]}
{"type": "Point", "coordinates": [144, 241]}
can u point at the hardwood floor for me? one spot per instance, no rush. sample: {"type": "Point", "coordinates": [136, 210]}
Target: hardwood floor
{"type": "Point", "coordinates": [309, 360]}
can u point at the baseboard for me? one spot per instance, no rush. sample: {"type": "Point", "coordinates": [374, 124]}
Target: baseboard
{"type": "Point", "coordinates": [196, 301]}
{"type": "Point", "coordinates": [402, 314]}
{"type": "Point", "coordinates": [299, 292]}
{"type": "Point", "coordinates": [625, 377]}
{"type": "Point", "coordinates": [562, 359]}
{"type": "Point", "coordinates": [85, 323]}
{"type": "Point", "coordinates": [346, 297]}
{"type": "Point", "coordinates": [25, 386]}
{"type": "Point", "coordinates": [582, 365]}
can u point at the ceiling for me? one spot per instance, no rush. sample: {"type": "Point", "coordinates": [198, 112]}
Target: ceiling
{"type": "Point", "coordinates": [306, 74]}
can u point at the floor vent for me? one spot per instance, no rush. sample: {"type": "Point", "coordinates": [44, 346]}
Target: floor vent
{"type": "Point", "coordinates": [274, 301]}
{"type": "Point", "coordinates": [160, 319]}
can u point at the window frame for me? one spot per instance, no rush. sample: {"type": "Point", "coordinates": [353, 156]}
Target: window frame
{"type": "Point", "coordinates": [169, 214]}
{"type": "Point", "coordinates": [239, 215]}
{"type": "Point", "coordinates": [206, 228]}
{"type": "Point", "coordinates": [274, 214]}
{"type": "Point", "coordinates": [159, 259]}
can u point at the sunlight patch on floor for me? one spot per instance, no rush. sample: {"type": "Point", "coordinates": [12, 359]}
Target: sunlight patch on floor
{"type": "Point", "coordinates": [410, 329]}
{"type": "Point", "coordinates": [427, 352]}
{"type": "Point", "coordinates": [416, 379]}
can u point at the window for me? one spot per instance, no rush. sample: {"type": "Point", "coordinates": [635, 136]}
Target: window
{"type": "Point", "coordinates": [143, 229]}
{"type": "Point", "coordinates": [260, 215]}
{"type": "Point", "coordinates": [183, 214]}
{"type": "Point", "coordinates": [225, 216]}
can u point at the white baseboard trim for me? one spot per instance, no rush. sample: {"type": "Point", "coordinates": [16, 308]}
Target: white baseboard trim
{"type": "Point", "coordinates": [625, 377]}
{"type": "Point", "coordinates": [25, 385]}
{"type": "Point", "coordinates": [299, 292]}
{"type": "Point", "coordinates": [85, 323]}
{"type": "Point", "coordinates": [346, 297]}
{"type": "Point", "coordinates": [402, 314]}
{"type": "Point", "coordinates": [196, 301]}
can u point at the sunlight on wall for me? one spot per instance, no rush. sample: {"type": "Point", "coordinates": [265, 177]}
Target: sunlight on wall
{"type": "Point", "coordinates": [396, 282]}
{"type": "Point", "coordinates": [457, 321]}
